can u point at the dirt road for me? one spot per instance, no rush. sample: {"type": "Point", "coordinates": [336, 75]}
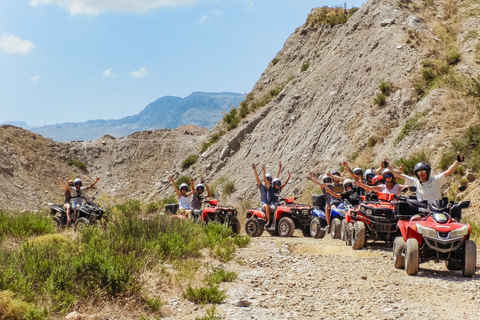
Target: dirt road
{"type": "Point", "coordinates": [305, 278]}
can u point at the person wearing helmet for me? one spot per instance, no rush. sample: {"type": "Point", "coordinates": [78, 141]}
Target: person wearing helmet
{"type": "Point", "coordinates": [428, 188]}
{"type": "Point", "coordinates": [197, 197]}
{"type": "Point", "coordinates": [378, 180]}
{"type": "Point", "coordinates": [67, 189]}
{"type": "Point", "coordinates": [389, 184]}
{"type": "Point", "coordinates": [77, 194]}
{"type": "Point", "coordinates": [264, 187]}
{"type": "Point", "coordinates": [356, 173]}
{"type": "Point", "coordinates": [273, 192]}
{"type": "Point", "coordinates": [351, 192]}
{"type": "Point", "coordinates": [183, 194]}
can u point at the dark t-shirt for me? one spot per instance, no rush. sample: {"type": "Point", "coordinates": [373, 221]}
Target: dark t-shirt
{"type": "Point", "coordinates": [263, 193]}
{"type": "Point", "coordinates": [271, 195]}
{"type": "Point", "coordinates": [196, 203]}
{"type": "Point", "coordinates": [68, 196]}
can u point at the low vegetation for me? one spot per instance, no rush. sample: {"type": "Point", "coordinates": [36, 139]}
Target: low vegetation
{"type": "Point", "coordinates": [380, 99]}
{"type": "Point", "coordinates": [468, 145]}
{"type": "Point", "coordinates": [213, 138]}
{"type": "Point", "coordinates": [412, 124]}
{"type": "Point", "coordinates": [275, 61]}
{"type": "Point", "coordinates": [48, 274]}
{"type": "Point", "coordinates": [305, 67]}
{"type": "Point", "coordinates": [189, 161]}
{"type": "Point", "coordinates": [23, 225]}
{"type": "Point", "coordinates": [409, 163]}
{"type": "Point", "coordinates": [77, 163]}
{"type": "Point", "coordinates": [330, 16]}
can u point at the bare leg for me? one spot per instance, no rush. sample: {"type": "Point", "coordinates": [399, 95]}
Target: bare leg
{"type": "Point", "coordinates": [267, 212]}
{"type": "Point", "coordinates": [327, 213]}
{"type": "Point", "coordinates": [67, 206]}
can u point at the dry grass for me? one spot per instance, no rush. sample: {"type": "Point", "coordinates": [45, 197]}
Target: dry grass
{"type": "Point", "coordinates": [449, 8]}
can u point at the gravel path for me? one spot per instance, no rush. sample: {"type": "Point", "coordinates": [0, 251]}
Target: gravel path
{"type": "Point", "coordinates": [305, 278]}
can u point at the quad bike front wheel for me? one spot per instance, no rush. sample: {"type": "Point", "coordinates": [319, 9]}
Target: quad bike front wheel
{"type": "Point", "coordinates": [336, 228]}
{"type": "Point", "coordinates": [398, 258]}
{"type": "Point", "coordinates": [470, 260]}
{"type": "Point", "coordinates": [411, 256]}
{"type": "Point", "coordinates": [358, 238]}
{"type": "Point", "coordinates": [343, 230]}
{"type": "Point", "coordinates": [235, 224]}
{"type": "Point", "coordinates": [286, 227]}
{"type": "Point", "coordinates": [58, 223]}
{"type": "Point", "coordinates": [252, 227]}
{"type": "Point", "coordinates": [306, 232]}
{"type": "Point", "coordinates": [349, 234]}
{"type": "Point", "coordinates": [81, 223]}
{"type": "Point", "coordinates": [316, 229]}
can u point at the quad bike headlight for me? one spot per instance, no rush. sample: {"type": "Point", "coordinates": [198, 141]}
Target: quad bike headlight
{"type": "Point", "coordinates": [368, 211]}
{"type": "Point", "coordinates": [460, 232]}
{"type": "Point", "coordinates": [426, 231]}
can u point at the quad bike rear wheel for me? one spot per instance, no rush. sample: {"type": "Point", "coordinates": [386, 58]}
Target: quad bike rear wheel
{"type": "Point", "coordinates": [398, 258]}
{"type": "Point", "coordinates": [358, 239]}
{"type": "Point", "coordinates": [286, 227]}
{"type": "Point", "coordinates": [306, 232]}
{"type": "Point", "coordinates": [252, 227]}
{"type": "Point", "coordinates": [470, 260]}
{"type": "Point", "coordinates": [343, 230]}
{"type": "Point", "coordinates": [81, 223]}
{"type": "Point", "coordinates": [58, 223]}
{"type": "Point", "coordinates": [236, 228]}
{"type": "Point", "coordinates": [349, 234]}
{"type": "Point", "coordinates": [411, 256]}
{"type": "Point", "coordinates": [336, 228]}
{"type": "Point", "coordinates": [316, 229]}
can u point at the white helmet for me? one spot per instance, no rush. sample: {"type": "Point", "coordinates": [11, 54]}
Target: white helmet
{"type": "Point", "coordinates": [269, 177]}
{"type": "Point", "coordinates": [183, 186]}
{"type": "Point", "coordinates": [77, 181]}
{"type": "Point", "coordinates": [369, 172]}
{"type": "Point", "coordinates": [348, 181]}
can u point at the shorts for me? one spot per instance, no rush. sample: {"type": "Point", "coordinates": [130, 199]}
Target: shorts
{"type": "Point", "coordinates": [76, 202]}
{"type": "Point", "coordinates": [272, 206]}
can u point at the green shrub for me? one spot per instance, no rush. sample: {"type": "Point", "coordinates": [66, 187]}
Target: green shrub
{"type": "Point", "coordinates": [154, 304]}
{"type": "Point", "coordinates": [16, 309]}
{"type": "Point", "coordinates": [23, 225]}
{"type": "Point", "coordinates": [380, 99]}
{"type": "Point", "coordinates": [220, 275]}
{"type": "Point", "coordinates": [409, 163]}
{"type": "Point", "coordinates": [305, 67]}
{"type": "Point", "coordinates": [183, 179]}
{"type": "Point", "coordinates": [203, 295]}
{"type": "Point", "coordinates": [228, 187]}
{"type": "Point", "coordinates": [189, 161]}
{"type": "Point", "coordinates": [77, 163]}
{"type": "Point", "coordinates": [276, 91]}
{"type": "Point", "coordinates": [213, 139]}
{"type": "Point", "coordinates": [275, 61]}
{"type": "Point", "coordinates": [386, 88]}
{"type": "Point", "coordinates": [209, 314]}
{"type": "Point", "coordinates": [332, 16]}
{"type": "Point", "coordinates": [241, 241]}
{"type": "Point", "coordinates": [412, 124]}
{"type": "Point", "coordinates": [468, 145]}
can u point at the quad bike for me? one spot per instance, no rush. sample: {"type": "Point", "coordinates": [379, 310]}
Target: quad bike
{"type": "Point", "coordinates": [374, 219]}
{"type": "Point", "coordinates": [220, 214]}
{"type": "Point", "coordinates": [318, 224]}
{"type": "Point", "coordinates": [89, 213]}
{"type": "Point", "coordinates": [436, 234]}
{"type": "Point", "coordinates": [288, 217]}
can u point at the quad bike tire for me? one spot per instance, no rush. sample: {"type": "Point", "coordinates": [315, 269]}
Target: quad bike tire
{"type": "Point", "coordinates": [80, 223]}
{"type": "Point", "coordinates": [252, 227]}
{"type": "Point", "coordinates": [306, 232]}
{"type": "Point", "coordinates": [335, 229]}
{"type": "Point", "coordinates": [470, 260]}
{"type": "Point", "coordinates": [316, 229]}
{"type": "Point", "coordinates": [398, 258]}
{"type": "Point", "coordinates": [235, 225]}
{"type": "Point", "coordinates": [358, 238]}
{"type": "Point", "coordinates": [343, 230]}
{"type": "Point", "coordinates": [453, 264]}
{"type": "Point", "coordinates": [349, 234]}
{"type": "Point", "coordinates": [411, 256]}
{"type": "Point", "coordinates": [58, 223]}
{"type": "Point", "coordinates": [286, 227]}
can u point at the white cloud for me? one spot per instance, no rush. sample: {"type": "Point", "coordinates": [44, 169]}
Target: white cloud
{"type": "Point", "coordinates": [108, 73]}
{"type": "Point", "coordinates": [206, 18]}
{"type": "Point", "coordinates": [94, 7]}
{"type": "Point", "coordinates": [140, 73]}
{"type": "Point", "coordinates": [203, 19]}
{"type": "Point", "coordinates": [34, 78]}
{"type": "Point", "coordinates": [13, 44]}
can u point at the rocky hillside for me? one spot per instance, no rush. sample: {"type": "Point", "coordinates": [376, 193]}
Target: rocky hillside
{"type": "Point", "coordinates": [312, 108]}
{"type": "Point", "coordinates": [200, 108]}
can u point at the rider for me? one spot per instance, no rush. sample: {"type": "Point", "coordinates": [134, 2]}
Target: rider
{"type": "Point", "coordinates": [350, 194]}
{"type": "Point", "coordinates": [77, 195]}
{"type": "Point", "coordinates": [182, 194]}
{"type": "Point", "coordinates": [327, 185]}
{"type": "Point", "coordinates": [273, 196]}
{"type": "Point", "coordinates": [197, 197]}
{"type": "Point", "coordinates": [67, 189]}
{"type": "Point", "coordinates": [267, 178]}
{"type": "Point", "coordinates": [428, 188]}
{"type": "Point", "coordinates": [390, 184]}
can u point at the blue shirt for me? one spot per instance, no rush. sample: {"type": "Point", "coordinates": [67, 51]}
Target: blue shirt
{"type": "Point", "coordinates": [263, 193]}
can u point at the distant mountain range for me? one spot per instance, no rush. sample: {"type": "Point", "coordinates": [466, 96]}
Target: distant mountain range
{"type": "Point", "coordinates": [200, 108]}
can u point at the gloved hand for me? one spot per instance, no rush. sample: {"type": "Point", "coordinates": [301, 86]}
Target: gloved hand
{"type": "Point", "coordinates": [460, 157]}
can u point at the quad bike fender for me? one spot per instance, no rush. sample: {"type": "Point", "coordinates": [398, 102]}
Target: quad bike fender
{"type": "Point", "coordinates": [403, 227]}
{"type": "Point", "coordinates": [206, 211]}
{"type": "Point", "coordinates": [318, 213]}
{"type": "Point", "coordinates": [412, 233]}
{"type": "Point", "coordinates": [335, 213]}
{"type": "Point", "coordinates": [348, 217]}
{"type": "Point", "coordinates": [256, 213]}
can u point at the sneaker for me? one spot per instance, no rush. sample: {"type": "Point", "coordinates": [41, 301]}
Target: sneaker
{"type": "Point", "coordinates": [328, 229]}
{"type": "Point", "coordinates": [267, 225]}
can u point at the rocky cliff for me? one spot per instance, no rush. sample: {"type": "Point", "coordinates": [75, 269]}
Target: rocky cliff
{"type": "Point", "coordinates": [320, 87]}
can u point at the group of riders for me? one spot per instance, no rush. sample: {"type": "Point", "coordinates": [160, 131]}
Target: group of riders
{"type": "Point", "coordinates": [335, 186]}
{"type": "Point", "coordinates": [73, 191]}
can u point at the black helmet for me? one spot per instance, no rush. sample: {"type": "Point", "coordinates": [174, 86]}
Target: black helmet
{"type": "Point", "coordinates": [422, 166]}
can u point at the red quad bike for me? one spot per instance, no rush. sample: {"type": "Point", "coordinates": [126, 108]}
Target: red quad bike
{"type": "Point", "coordinates": [220, 214]}
{"type": "Point", "coordinates": [373, 220]}
{"type": "Point", "coordinates": [436, 236]}
{"type": "Point", "coordinates": [288, 217]}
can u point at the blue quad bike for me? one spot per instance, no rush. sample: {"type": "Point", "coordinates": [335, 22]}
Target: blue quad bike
{"type": "Point", "coordinates": [318, 224]}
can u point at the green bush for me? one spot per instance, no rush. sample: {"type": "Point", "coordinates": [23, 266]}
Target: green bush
{"type": "Point", "coordinates": [409, 163]}
{"type": "Point", "coordinates": [154, 304]}
{"type": "Point", "coordinates": [386, 88]}
{"type": "Point", "coordinates": [220, 275]}
{"type": "Point", "coordinates": [241, 241]}
{"type": "Point", "coordinates": [183, 179]}
{"type": "Point", "coordinates": [189, 161]}
{"type": "Point", "coordinates": [333, 16]}
{"type": "Point", "coordinates": [305, 67]}
{"type": "Point", "coordinates": [203, 295]}
{"type": "Point", "coordinates": [228, 187]}
{"type": "Point", "coordinates": [209, 314]}
{"type": "Point", "coordinates": [372, 141]}
{"type": "Point", "coordinates": [468, 145]}
{"type": "Point", "coordinates": [275, 61]}
{"type": "Point", "coordinates": [380, 99]}
{"type": "Point", "coordinates": [213, 139]}
{"type": "Point", "coordinates": [24, 225]}
{"type": "Point", "coordinates": [77, 163]}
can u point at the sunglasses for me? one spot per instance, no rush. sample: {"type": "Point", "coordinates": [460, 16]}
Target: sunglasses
{"type": "Point", "coordinates": [388, 176]}
{"type": "Point", "coordinates": [269, 179]}
{"type": "Point", "coordinates": [348, 186]}
{"type": "Point", "coordinates": [422, 172]}
{"type": "Point", "coordinates": [327, 180]}
{"type": "Point", "coordinates": [370, 176]}
{"type": "Point", "coordinates": [359, 173]}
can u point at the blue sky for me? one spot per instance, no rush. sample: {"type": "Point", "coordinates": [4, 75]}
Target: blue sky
{"type": "Point", "coordinates": [76, 60]}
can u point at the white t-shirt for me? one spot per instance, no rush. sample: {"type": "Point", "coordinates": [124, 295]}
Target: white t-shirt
{"type": "Point", "coordinates": [183, 203]}
{"type": "Point", "coordinates": [430, 190]}
{"type": "Point", "coordinates": [395, 190]}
